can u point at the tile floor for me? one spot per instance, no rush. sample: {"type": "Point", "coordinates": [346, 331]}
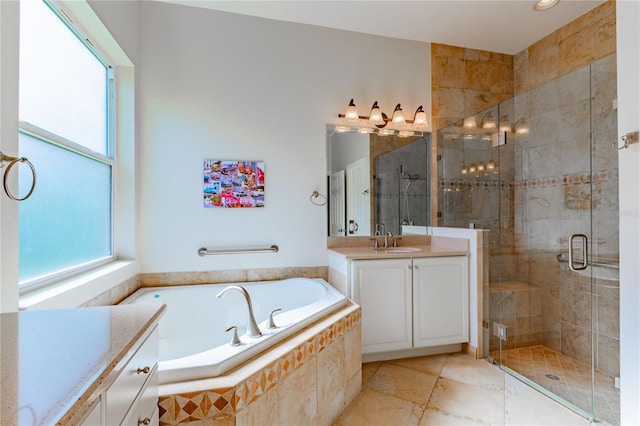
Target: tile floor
{"type": "Point", "coordinates": [453, 389]}
{"type": "Point", "coordinates": [573, 379]}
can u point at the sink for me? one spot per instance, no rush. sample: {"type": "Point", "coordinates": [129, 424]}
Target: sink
{"type": "Point", "coordinates": [398, 249]}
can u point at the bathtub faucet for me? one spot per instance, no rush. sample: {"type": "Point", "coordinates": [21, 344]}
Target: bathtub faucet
{"type": "Point", "coordinates": [252, 327]}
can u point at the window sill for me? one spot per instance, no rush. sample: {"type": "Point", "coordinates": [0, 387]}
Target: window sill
{"type": "Point", "coordinates": [73, 292]}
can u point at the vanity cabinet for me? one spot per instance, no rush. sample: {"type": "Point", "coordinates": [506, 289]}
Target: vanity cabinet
{"type": "Point", "coordinates": [87, 366]}
{"type": "Point", "coordinates": [410, 303]}
{"type": "Point", "coordinates": [132, 397]}
{"type": "Point", "coordinates": [383, 289]}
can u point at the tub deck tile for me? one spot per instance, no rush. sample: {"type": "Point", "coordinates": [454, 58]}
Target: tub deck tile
{"type": "Point", "coordinates": [224, 404]}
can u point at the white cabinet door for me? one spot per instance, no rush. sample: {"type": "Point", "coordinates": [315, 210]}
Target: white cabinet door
{"type": "Point", "coordinates": [440, 300]}
{"type": "Point", "coordinates": [383, 290]}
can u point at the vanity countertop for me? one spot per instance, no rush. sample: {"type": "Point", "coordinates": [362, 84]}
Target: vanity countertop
{"type": "Point", "coordinates": [437, 246]}
{"type": "Point", "coordinates": [55, 363]}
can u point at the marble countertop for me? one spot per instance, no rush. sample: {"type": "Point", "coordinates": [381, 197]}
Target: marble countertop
{"type": "Point", "coordinates": [437, 247]}
{"type": "Point", "coordinates": [55, 363]}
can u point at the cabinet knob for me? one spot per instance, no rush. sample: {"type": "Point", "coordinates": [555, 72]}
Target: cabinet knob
{"type": "Point", "coordinates": [409, 266]}
{"type": "Point", "coordinates": [144, 421]}
{"type": "Point", "coordinates": [416, 267]}
{"type": "Point", "coordinates": [144, 370]}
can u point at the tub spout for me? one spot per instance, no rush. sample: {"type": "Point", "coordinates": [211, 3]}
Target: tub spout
{"type": "Point", "coordinates": [252, 327]}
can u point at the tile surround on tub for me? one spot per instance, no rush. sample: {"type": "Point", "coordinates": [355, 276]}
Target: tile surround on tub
{"type": "Point", "coordinates": [313, 376]}
{"type": "Point", "coordinates": [231, 276]}
{"type": "Point", "coordinates": [124, 289]}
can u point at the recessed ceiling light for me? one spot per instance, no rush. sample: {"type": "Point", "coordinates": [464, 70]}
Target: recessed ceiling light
{"type": "Point", "coordinates": [545, 4]}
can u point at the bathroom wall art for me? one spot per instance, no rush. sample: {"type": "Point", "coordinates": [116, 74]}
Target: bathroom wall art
{"type": "Point", "coordinates": [233, 184]}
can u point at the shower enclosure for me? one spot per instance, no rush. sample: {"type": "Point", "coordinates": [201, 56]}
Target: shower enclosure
{"type": "Point", "coordinates": [401, 186]}
{"type": "Point", "coordinates": [539, 173]}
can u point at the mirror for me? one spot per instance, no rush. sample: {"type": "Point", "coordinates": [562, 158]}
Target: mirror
{"type": "Point", "coordinates": [377, 184]}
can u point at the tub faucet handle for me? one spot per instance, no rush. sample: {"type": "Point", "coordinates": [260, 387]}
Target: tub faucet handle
{"type": "Point", "coordinates": [272, 325]}
{"type": "Point", "coordinates": [235, 340]}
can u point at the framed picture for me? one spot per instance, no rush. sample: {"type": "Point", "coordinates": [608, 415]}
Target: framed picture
{"type": "Point", "coordinates": [233, 184]}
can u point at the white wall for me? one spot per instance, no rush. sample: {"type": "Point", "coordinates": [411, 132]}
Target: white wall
{"type": "Point", "coordinates": [9, 32]}
{"type": "Point", "coordinates": [628, 56]}
{"type": "Point", "coordinates": [213, 85]}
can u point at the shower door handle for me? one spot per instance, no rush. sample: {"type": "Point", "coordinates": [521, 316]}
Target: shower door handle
{"type": "Point", "coordinates": [585, 255]}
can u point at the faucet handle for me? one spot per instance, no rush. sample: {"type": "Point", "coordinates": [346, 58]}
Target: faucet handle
{"type": "Point", "coordinates": [235, 340]}
{"type": "Point", "coordinates": [395, 240]}
{"type": "Point", "coordinates": [375, 242]}
{"type": "Point", "coordinates": [272, 325]}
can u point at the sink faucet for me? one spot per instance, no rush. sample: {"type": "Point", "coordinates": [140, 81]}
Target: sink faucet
{"type": "Point", "coordinates": [252, 327]}
{"type": "Point", "coordinates": [386, 238]}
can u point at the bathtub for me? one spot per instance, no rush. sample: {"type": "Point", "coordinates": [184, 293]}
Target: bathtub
{"type": "Point", "coordinates": [193, 341]}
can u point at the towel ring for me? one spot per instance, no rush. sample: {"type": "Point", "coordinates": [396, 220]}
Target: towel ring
{"type": "Point", "coordinates": [12, 162]}
{"type": "Point", "coordinates": [316, 194]}
{"type": "Point", "coordinates": [628, 139]}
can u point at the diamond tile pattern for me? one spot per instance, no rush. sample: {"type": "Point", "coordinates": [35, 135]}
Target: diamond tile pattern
{"type": "Point", "coordinates": [216, 404]}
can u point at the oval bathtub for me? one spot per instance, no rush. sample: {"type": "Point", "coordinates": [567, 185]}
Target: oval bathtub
{"type": "Point", "coordinates": [193, 341]}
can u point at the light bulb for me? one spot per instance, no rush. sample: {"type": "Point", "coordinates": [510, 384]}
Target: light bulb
{"type": "Point", "coordinates": [398, 115]}
{"type": "Point", "coordinates": [469, 123]}
{"type": "Point", "coordinates": [375, 116]}
{"type": "Point", "coordinates": [351, 113]}
{"type": "Point", "coordinates": [488, 122]}
{"type": "Point", "coordinates": [420, 117]}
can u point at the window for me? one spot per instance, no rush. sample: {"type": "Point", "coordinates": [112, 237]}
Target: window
{"type": "Point", "coordinates": [66, 132]}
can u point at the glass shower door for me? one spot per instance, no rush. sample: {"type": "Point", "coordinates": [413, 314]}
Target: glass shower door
{"type": "Point", "coordinates": [552, 303]}
{"type": "Point", "coordinates": [550, 205]}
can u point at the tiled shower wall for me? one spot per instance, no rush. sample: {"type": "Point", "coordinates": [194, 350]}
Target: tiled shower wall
{"type": "Point", "coordinates": [550, 82]}
{"type": "Point", "coordinates": [390, 206]}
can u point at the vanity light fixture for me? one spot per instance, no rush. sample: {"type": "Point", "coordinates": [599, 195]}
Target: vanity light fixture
{"type": "Point", "coordinates": [470, 123]}
{"type": "Point", "coordinates": [541, 5]}
{"type": "Point", "coordinates": [505, 125]}
{"type": "Point", "coordinates": [378, 122]}
{"type": "Point", "coordinates": [351, 114]}
{"type": "Point", "coordinates": [398, 115]}
{"type": "Point", "coordinates": [521, 127]}
{"type": "Point", "coordinates": [420, 117]}
{"type": "Point", "coordinates": [480, 168]}
{"type": "Point", "coordinates": [488, 122]}
{"type": "Point", "coordinates": [376, 116]}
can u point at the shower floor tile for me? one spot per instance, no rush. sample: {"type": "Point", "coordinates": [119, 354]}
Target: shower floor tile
{"type": "Point", "coordinates": [567, 378]}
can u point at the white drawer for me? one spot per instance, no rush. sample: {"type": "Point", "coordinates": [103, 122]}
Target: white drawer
{"type": "Point", "coordinates": [145, 409]}
{"type": "Point", "coordinates": [129, 383]}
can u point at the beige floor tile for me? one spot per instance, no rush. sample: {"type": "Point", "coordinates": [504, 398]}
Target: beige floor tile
{"type": "Point", "coordinates": [369, 369]}
{"type": "Point", "coordinates": [404, 383]}
{"type": "Point", "coordinates": [526, 406]}
{"type": "Point", "coordinates": [433, 417]}
{"type": "Point", "coordinates": [478, 372]}
{"type": "Point", "coordinates": [468, 402]}
{"type": "Point", "coordinates": [372, 408]}
{"type": "Point", "coordinates": [426, 364]}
